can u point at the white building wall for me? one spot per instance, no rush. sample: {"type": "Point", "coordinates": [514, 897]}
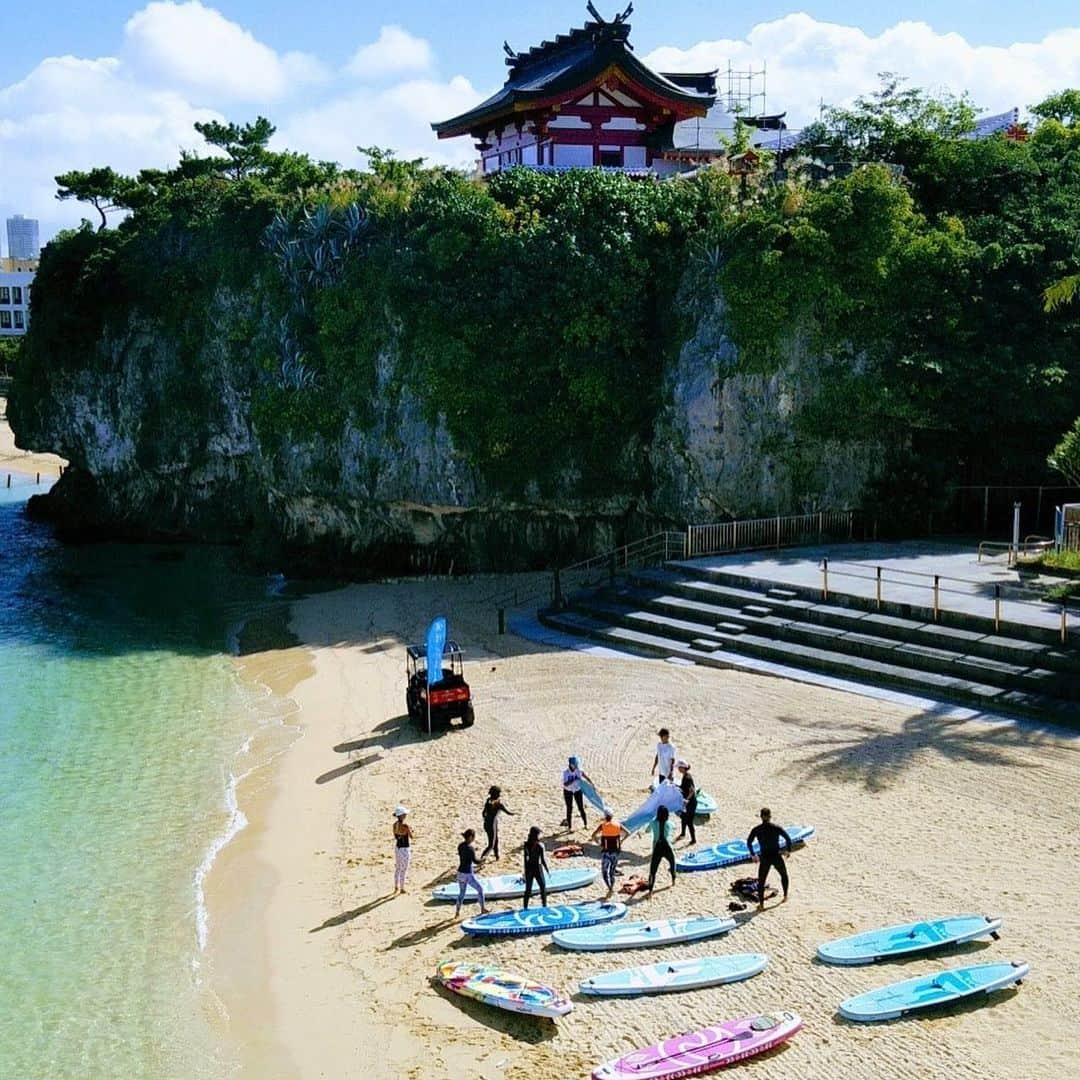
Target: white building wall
{"type": "Point", "coordinates": [15, 302]}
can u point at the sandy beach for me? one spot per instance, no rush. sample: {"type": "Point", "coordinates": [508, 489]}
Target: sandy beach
{"type": "Point", "coordinates": [22, 462]}
{"type": "Point", "coordinates": [323, 973]}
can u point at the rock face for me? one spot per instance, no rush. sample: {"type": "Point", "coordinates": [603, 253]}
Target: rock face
{"type": "Point", "coordinates": [163, 444]}
{"type": "Point", "coordinates": [726, 443]}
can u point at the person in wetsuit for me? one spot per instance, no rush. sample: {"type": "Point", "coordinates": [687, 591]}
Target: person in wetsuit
{"type": "Point", "coordinates": [689, 794]}
{"type": "Point", "coordinates": [466, 871]}
{"type": "Point", "coordinates": [536, 867]}
{"type": "Point", "coordinates": [660, 828]}
{"type": "Point", "coordinates": [611, 835]}
{"type": "Point", "coordinates": [768, 837]}
{"type": "Point", "coordinates": [493, 807]}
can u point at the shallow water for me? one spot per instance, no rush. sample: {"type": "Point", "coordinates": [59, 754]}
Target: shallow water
{"type": "Point", "coordinates": [122, 722]}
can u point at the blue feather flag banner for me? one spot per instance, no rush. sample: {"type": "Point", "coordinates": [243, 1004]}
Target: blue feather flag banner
{"type": "Point", "coordinates": [436, 642]}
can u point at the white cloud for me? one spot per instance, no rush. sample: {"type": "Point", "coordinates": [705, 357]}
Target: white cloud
{"type": "Point", "coordinates": [72, 113]}
{"type": "Point", "coordinates": [398, 117]}
{"type": "Point", "coordinates": [206, 54]}
{"type": "Point", "coordinates": [809, 61]}
{"type": "Point", "coordinates": [394, 52]}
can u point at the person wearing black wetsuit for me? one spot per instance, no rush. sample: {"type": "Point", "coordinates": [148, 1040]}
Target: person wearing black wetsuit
{"type": "Point", "coordinates": [689, 794]}
{"type": "Point", "coordinates": [493, 807]}
{"type": "Point", "coordinates": [536, 866]}
{"type": "Point", "coordinates": [768, 837]}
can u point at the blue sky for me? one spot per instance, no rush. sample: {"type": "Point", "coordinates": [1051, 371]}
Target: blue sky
{"type": "Point", "coordinates": [121, 82]}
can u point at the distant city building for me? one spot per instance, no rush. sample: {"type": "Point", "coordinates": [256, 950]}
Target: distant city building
{"type": "Point", "coordinates": [22, 235]}
{"type": "Point", "coordinates": [16, 279]}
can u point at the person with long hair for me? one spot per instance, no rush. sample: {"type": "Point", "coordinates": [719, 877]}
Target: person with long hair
{"type": "Point", "coordinates": [689, 794]}
{"type": "Point", "coordinates": [660, 828]}
{"type": "Point", "coordinates": [493, 807]}
{"type": "Point", "coordinates": [536, 867]}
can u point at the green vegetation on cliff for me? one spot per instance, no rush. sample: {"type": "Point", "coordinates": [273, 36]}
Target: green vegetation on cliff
{"type": "Point", "coordinates": [535, 314]}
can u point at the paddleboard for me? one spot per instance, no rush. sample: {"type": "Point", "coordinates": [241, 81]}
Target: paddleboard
{"type": "Point", "coordinates": [731, 852]}
{"type": "Point", "coordinates": [916, 937]}
{"type": "Point", "coordinates": [593, 796]}
{"type": "Point", "coordinates": [676, 975]}
{"type": "Point", "coordinates": [502, 989]}
{"type": "Point", "coordinates": [665, 795]}
{"type": "Point", "coordinates": [928, 991]}
{"type": "Point", "coordinates": [705, 1050]}
{"type": "Point", "coordinates": [543, 920]}
{"type": "Point", "coordinates": [511, 886]}
{"type": "Point", "coordinates": [641, 935]}
{"type": "Point", "coordinates": [706, 805]}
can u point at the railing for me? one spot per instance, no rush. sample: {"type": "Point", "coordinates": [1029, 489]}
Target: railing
{"type": "Point", "coordinates": [729, 536]}
{"type": "Point", "coordinates": [651, 550]}
{"type": "Point", "coordinates": [933, 582]}
{"type": "Point", "coordinates": [1032, 545]}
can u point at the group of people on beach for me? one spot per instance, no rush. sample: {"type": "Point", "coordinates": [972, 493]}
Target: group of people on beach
{"type": "Point", "coordinates": [609, 833]}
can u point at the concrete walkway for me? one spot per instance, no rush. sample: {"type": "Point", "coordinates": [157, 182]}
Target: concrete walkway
{"type": "Point", "coordinates": [908, 569]}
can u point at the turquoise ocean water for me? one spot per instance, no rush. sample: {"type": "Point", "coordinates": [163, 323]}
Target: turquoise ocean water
{"type": "Point", "coordinates": [122, 728]}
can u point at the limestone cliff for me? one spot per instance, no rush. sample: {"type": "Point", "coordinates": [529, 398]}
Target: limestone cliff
{"type": "Point", "coordinates": [160, 431]}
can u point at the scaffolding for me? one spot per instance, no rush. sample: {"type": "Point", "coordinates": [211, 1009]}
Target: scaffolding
{"type": "Point", "coordinates": [745, 95]}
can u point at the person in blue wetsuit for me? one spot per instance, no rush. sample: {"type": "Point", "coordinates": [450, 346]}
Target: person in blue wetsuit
{"type": "Point", "coordinates": [768, 837]}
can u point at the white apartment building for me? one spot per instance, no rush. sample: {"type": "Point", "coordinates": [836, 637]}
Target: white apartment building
{"type": "Point", "coordinates": [14, 301]}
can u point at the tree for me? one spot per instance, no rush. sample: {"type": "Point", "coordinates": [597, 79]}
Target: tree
{"type": "Point", "coordinates": [245, 145]}
{"type": "Point", "coordinates": [1061, 292]}
{"type": "Point", "coordinates": [1065, 457]}
{"type": "Point", "coordinates": [105, 190]}
{"type": "Point", "coordinates": [1063, 107]}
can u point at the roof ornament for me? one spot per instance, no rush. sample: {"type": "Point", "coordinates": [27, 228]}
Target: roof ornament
{"type": "Point", "coordinates": [618, 20]}
{"type": "Point", "coordinates": [509, 52]}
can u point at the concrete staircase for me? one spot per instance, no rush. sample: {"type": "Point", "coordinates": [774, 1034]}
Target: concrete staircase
{"type": "Point", "coordinates": [695, 612]}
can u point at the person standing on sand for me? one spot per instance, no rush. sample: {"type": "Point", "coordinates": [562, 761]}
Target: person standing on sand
{"type": "Point", "coordinates": [689, 794]}
{"type": "Point", "coordinates": [664, 762]}
{"type": "Point", "coordinates": [660, 828]}
{"type": "Point", "coordinates": [536, 867]}
{"type": "Point", "coordinates": [611, 834]}
{"type": "Point", "coordinates": [768, 837]}
{"type": "Point", "coordinates": [403, 836]}
{"type": "Point", "coordinates": [571, 790]}
{"type": "Point", "coordinates": [468, 864]}
{"type": "Point", "coordinates": [493, 807]}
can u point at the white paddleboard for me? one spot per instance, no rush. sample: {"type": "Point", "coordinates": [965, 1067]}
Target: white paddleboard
{"type": "Point", "coordinates": [677, 975]}
{"type": "Point", "coordinates": [511, 886]}
{"type": "Point", "coordinates": [642, 935]}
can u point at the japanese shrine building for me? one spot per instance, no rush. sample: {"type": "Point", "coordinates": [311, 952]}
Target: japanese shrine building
{"type": "Point", "coordinates": [586, 100]}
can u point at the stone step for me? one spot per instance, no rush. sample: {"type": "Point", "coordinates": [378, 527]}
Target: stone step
{"type": "Point", "coordinates": [651, 615]}
{"type": "Point", "coordinates": [759, 611]}
{"type": "Point", "coordinates": [782, 594]}
{"type": "Point", "coordinates": [729, 628]}
{"type": "Point", "coordinates": [853, 669]}
{"type": "Point", "coordinates": [706, 644]}
{"type": "Point", "coordinates": [727, 605]}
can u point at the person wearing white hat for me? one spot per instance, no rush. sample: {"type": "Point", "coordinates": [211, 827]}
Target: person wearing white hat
{"type": "Point", "coordinates": [403, 836]}
{"type": "Point", "coordinates": [689, 794]}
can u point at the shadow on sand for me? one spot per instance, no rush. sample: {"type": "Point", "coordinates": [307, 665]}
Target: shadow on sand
{"type": "Point", "coordinates": [862, 753]}
{"type": "Point", "coordinates": [355, 913]}
{"type": "Point", "coordinates": [348, 767]}
{"type": "Point", "coordinates": [528, 1029]}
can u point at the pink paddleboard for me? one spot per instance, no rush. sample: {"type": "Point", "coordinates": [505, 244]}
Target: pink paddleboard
{"type": "Point", "coordinates": [702, 1051]}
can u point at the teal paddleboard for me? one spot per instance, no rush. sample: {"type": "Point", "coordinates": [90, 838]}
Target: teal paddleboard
{"type": "Point", "coordinates": [930, 991]}
{"type": "Point", "coordinates": [676, 975]}
{"type": "Point", "coordinates": [731, 852]}
{"type": "Point", "coordinates": [897, 941]}
{"type": "Point", "coordinates": [643, 935]}
{"type": "Point", "coordinates": [593, 796]}
{"type": "Point", "coordinates": [706, 805]}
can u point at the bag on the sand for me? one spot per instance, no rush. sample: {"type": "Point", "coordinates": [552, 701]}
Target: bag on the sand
{"type": "Point", "coordinates": [747, 888]}
{"type": "Point", "coordinates": [632, 886]}
{"type": "Point", "coordinates": [568, 851]}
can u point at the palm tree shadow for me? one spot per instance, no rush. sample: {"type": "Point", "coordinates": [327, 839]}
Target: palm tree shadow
{"type": "Point", "coordinates": [865, 754]}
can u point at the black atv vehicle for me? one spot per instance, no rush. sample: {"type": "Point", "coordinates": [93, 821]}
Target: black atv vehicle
{"type": "Point", "coordinates": [451, 698]}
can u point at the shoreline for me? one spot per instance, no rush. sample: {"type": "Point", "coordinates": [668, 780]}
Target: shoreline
{"type": "Point", "coordinates": [18, 462]}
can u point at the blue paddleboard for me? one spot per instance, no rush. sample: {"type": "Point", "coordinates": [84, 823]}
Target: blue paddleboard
{"type": "Point", "coordinates": [643, 935]}
{"type": "Point", "coordinates": [593, 796]}
{"type": "Point", "coordinates": [928, 991]}
{"type": "Point", "coordinates": [676, 975]}
{"type": "Point", "coordinates": [706, 805]}
{"type": "Point", "coordinates": [916, 937]}
{"type": "Point", "coordinates": [542, 920]}
{"type": "Point", "coordinates": [731, 852]}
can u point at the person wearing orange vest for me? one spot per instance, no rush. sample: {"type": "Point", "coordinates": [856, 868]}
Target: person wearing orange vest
{"type": "Point", "coordinates": [611, 834]}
